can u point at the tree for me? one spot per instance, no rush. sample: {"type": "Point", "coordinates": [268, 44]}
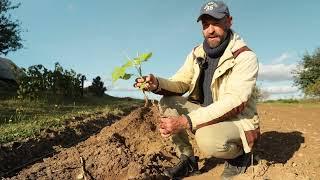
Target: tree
{"type": "Point", "coordinates": [10, 37]}
{"type": "Point", "coordinates": [307, 75]}
{"type": "Point", "coordinates": [39, 82]}
{"type": "Point", "coordinates": [314, 89]}
{"type": "Point", "coordinates": [259, 94]}
{"type": "Point", "coordinates": [97, 87]}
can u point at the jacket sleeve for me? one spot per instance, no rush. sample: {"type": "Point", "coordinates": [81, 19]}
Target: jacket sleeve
{"type": "Point", "coordinates": [239, 86]}
{"type": "Point", "coordinates": [179, 83]}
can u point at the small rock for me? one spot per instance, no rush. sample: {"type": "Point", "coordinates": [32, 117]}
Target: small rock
{"type": "Point", "coordinates": [134, 170]}
{"type": "Point", "coordinates": [119, 151]}
{"type": "Point", "coordinates": [80, 176]}
{"type": "Point", "coordinates": [294, 164]}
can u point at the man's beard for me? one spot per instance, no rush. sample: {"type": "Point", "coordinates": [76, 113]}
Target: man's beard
{"type": "Point", "coordinates": [214, 44]}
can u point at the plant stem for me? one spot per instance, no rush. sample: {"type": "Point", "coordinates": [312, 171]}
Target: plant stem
{"type": "Point", "coordinates": [146, 99]}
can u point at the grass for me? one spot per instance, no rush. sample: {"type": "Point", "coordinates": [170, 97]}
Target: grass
{"type": "Point", "coordinates": [294, 102]}
{"type": "Point", "coordinates": [20, 119]}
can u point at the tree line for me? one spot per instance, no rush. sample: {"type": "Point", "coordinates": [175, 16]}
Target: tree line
{"type": "Point", "coordinates": [39, 82]}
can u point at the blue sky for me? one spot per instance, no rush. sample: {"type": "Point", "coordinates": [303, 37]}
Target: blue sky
{"type": "Point", "coordinates": [92, 37]}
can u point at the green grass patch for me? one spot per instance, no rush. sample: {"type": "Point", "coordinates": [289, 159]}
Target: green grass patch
{"type": "Point", "coordinates": [26, 118]}
{"type": "Point", "coordinates": [294, 102]}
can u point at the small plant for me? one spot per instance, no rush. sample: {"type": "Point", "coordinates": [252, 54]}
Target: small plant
{"type": "Point", "coordinates": [120, 72]}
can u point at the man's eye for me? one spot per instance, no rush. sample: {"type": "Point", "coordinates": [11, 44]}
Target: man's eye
{"type": "Point", "coordinates": [205, 25]}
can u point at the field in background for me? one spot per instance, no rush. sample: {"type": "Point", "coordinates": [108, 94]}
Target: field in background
{"type": "Point", "coordinates": [22, 119]}
{"type": "Point", "coordinates": [25, 118]}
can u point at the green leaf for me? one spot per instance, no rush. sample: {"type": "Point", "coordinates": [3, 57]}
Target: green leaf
{"type": "Point", "coordinates": [143, 57]}
{"type": "Point", "coordinates": [118, 73]}
{"type": "Point", "coordinates": [126, 76]}
{"type": "Point", "coordinates": [128, 64]}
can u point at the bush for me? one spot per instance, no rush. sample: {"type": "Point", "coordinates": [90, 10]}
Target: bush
{"type": "Point", "coordinates": [39, 82]}
{"type": "Point", "coordinates": [97, 88]}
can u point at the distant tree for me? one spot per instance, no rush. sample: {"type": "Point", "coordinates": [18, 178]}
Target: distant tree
{"type": "Point", "coordinates": [314, 89]}
{"type": "Point", "coordinates": [97, 88]}
{"type": "Point", "coordinates": [307, 75]}
{"type": "Point", "coordinates": [10, 38]}
{"type": "Point", "coordinates": [39, 82]}
{"type": "Point", "coordinates": [260, 94]}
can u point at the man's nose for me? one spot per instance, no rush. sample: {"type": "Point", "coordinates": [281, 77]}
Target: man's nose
{"type": "Point", "coordinates": [211, 29]}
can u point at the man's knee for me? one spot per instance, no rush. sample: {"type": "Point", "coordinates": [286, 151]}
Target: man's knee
{"type": "Point", "coordinates": [169, 100]}
{"type": "Point", "coordinates": [218, 147]}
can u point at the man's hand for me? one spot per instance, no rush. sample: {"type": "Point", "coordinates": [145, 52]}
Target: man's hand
{"type": "Point", "coordinates": [150, 83]}
{"type": "Point", "coordinates": [172, 125]}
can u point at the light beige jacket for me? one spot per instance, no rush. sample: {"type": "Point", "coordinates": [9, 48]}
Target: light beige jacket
{"type": "Point", "coordinates": [232, 86]}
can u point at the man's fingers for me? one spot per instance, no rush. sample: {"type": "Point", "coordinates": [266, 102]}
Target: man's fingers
{"type": "Point", "coordinates": [164, 119]}
{"type": "Point", "coordinates": [141, 79]}
{"type": "Point", "coordinates": [164, 133]}
{"type": "Point", "coordinates": [162, 125]}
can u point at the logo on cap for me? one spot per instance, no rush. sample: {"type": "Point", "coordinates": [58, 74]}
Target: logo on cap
{"type": "Point", "coordinates": [210, 6]}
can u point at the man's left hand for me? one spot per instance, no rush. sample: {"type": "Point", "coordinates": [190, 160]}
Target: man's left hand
{"type": "Point", "coordinates": [172, 125]}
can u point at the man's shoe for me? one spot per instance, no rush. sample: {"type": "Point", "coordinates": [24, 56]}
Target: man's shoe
{"type": "Point", "coordinates": [233, 167]}
{"type": "Point", "coordinates": [186, 167]}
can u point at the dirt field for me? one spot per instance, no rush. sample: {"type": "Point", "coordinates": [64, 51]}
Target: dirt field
{"type": "Point", "coordinates": [132, 148]}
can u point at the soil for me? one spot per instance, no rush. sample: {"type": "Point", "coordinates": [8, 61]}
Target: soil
{"type": "Point", "coordinates": [132, 148]}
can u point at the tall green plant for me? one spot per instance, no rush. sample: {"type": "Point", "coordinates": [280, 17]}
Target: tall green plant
{"type": "Point", "coordinates": [121, 72]}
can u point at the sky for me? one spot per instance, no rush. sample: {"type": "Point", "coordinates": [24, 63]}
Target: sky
{"type": "Point", "coordinates": [93, 37]}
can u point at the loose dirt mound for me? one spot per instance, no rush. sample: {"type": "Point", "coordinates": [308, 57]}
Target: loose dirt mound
{"type": "Point", "coordinates": [129, 149]}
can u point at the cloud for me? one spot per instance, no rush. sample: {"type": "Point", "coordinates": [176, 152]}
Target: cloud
{"type": "Point", "coordinates": [283, 57]}
{"type": "Point", "coordinates": [286, 89]}
{"type": "Point", "coordinates": [280, 68]}
{"type": "Point", "coordinates": [123, 89]}
{"type": "Point", "coordinates": [276, 72]}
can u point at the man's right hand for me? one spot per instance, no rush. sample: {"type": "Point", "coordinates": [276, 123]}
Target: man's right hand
{"type": "Point", "coordinates": [149, 82]}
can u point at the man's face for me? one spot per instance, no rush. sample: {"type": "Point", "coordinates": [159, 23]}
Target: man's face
{"type": "Point", "coordinates": [215, 30]}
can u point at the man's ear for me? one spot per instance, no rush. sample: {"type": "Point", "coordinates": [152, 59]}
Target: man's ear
{"type": "Point", "coordinates": [229, 21]}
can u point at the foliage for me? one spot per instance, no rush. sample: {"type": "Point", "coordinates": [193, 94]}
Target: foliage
{"type": "Point", "coordinates": [313, 90]}
{"type": "Point", "coordinates": [39, 82]}
{"type": "Point", "coordinates": [97, 87]}
{"type": "Point", "coordinates": [120, 72]}
{"type": "Point", "coordinates": [10, 38]}
{"type": "Point", "coordinates": [307, 75]}
{"type": "Point", "coordinates": [286, 101]}
{"type": "Point", "coordinates": [259, 94]}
